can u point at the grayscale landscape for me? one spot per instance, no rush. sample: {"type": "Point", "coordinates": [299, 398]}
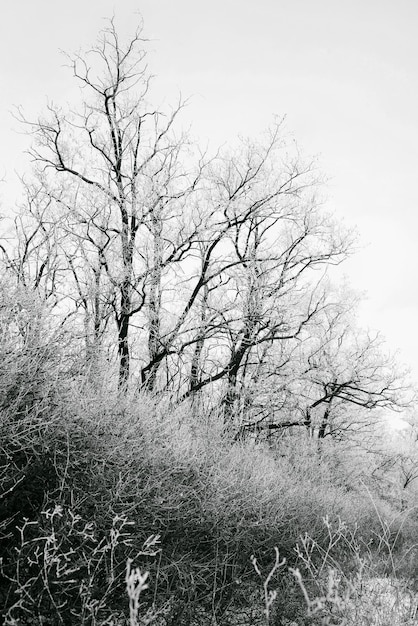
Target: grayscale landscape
{"type": "Point", "coordinates": [208, 399]}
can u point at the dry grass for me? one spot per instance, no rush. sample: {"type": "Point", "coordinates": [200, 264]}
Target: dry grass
{"type": "Point", "coordinates": [121, 469]}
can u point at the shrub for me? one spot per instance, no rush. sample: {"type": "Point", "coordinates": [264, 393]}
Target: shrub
{"type": "Point", "coordinates": [119, 468]}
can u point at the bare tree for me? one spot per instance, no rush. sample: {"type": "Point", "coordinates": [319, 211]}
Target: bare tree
{"type": "Point", "coordinates": [334, 380]}
{"type": "Point", "coordinates": [116, 166]}
{"type": "Point", "coordinates": [275, 236]}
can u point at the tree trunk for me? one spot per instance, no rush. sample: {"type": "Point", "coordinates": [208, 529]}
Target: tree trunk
{"type": "Point", "coordinates": [231, 396]}
{"type": "Point", "coordinates": [324, 423]}
{"type": "Point", "coordinates": [195, 368]}
{"type": "Point", "coordinates": [123, 349]}
{"type": "Point", "coordinates": [154, 307]}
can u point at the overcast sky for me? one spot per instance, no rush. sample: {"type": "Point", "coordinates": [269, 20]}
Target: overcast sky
{"type": "Point", "coordinates": [344, 72]}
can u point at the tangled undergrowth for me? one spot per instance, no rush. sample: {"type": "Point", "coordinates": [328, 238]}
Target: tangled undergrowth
{"type": "Point", "coordinates": [108, 492]}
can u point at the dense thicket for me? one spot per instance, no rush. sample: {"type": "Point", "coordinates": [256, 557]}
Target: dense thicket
{"type": "Point", "coordinates": [87, 479]}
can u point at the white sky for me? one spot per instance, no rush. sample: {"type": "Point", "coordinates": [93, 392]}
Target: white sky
{"type": "Point", "coordinates": [345, 73]}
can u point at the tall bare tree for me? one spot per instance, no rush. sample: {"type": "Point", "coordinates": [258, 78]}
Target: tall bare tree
{"type": "Point", "coordinates": [116, 165]}
{"type": "Point", "coordinates": [274, 236]}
